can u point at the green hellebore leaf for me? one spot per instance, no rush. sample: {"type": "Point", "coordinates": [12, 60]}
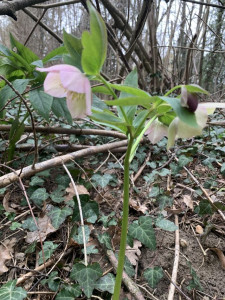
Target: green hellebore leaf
{"type": "Point", "coordinates": [94, 43]}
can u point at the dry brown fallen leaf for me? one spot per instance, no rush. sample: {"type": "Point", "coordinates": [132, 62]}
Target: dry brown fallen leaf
{"type": "Point", "coordinates": [134, 252]}
{"type": "Point", "coordinates": [5, 249]}
{"type": "Point", "coordinates": [199, 229]}
{"type": "Point", "coordinates": [220, 256]}
{"type": "Point", "coordinates": [45, 228]}
{"type": "Point", "coordinates": [6, 203]}
{"type": "Point", "coordinates": [71, 193]}
{"type": "Point", "coordinates": [188, 201]}
{"type": "Point", "coordinates": [138, 207]}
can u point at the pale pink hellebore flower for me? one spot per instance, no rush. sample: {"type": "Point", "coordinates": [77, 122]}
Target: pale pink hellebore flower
{"type": "Point", "coordinates": [68, 81]}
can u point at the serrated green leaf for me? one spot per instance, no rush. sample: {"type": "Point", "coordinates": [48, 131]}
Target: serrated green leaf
{"type": "Point", "coordinates": [101, 180]}
{"type": "Point", "coordinates": [90, 209]}
{"type": "Point", "coordinates": [25, 52]}
{"type": "Point", "coordinates": [9, 291]}
{"type": "Point", "coordinates": [39, 196]}
{"type": "Point", "coordinates": [55, 54]}
{"type": "Point", "coordinates": [131, 100]}
{"type": "Point", "coordinates": [105, 239]}
{"type": "Point", "coordinates": [144, 232]}
{"type": "Point", "coordinates": [60, 109]}
{"type": "Point", "coordinates": [94, 43]}
{"type": "Point", "coordinates": [166, 225]}
{"type": "Point", "coordinates": [106, 283]}
{"type": "Point", "coordinates": [74, 47]}
{"type": "Point", "coordinates": [7, 93]}
{"type": "Point", "coordinates": [153, 276]}
{"type": "Point", "coordinates": [41, 102]}
{"type": "Point", "coordinates": [48, 248]}
{"type": "Point", "coordinates": [58, 216]}
{"type": "Point", "coordinates": [86, 276]}
{"type": "Point", "coordinates": [69, 292]}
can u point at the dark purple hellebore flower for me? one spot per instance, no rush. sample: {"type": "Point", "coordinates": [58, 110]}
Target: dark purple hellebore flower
{"type": "Point", "coordinates": [189, 100]}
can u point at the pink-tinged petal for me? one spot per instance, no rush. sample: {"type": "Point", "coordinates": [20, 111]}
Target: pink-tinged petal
{"type": "Point", "coordinates": [74, 81]}
{"type": "Point", "coordinates": [156, 131]}
{"type": "Point", "coordinates": [59, 68]}
{"type": "Point", "coordinates": [211, 106]}
{"type": "Point", "coordinates": [172, 132]}
{"type": "Point", "coordinates": [178, 129]}
{"type": "Point", "coordinates": [53, 85]}
{"type": "Point", "coordinates": [76, 104]}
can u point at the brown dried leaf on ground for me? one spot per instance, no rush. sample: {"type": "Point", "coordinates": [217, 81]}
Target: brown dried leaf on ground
{"type": "Point", "coordinates": [134, 252]}
{"type": "Point", "coordinates": [137, 206]}
{"type": "Point", "coordinates": [45, 227]}
{"type": "Point", "coordinates": [71, 193]}
{"type": "Point", "coordinates": [5, 250]}
{"type": "Point", "coordinates": [220, 256]}
{"type": "Point", "coordinates": [188, 201]}
{"type": "Point", "coordinates": [6, 203]}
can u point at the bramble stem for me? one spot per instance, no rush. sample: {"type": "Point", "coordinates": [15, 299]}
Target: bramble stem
{"type": "Point", "coordinates": [123, 239]}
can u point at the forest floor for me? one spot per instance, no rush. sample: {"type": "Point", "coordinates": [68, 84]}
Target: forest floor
{"type": "Point", "coordinates": [176, 186]}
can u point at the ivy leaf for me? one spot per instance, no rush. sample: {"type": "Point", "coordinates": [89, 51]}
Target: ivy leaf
{"type": "Point", "coordinates": [90, 209]}
{"type": "Point", "coordinates": [41, 102]}
{"type": "Point", "coordinates": [204, 208]}
{"type": "Point", "coordinates": [195, 282]}
{"type": "Point", "coordinates": [102, 180]}
{"type": "Point", "coordinates": [184, 160]}
{"type": "Point", "coordinates": [127, 266]}
{"type": "Point", "coordinates": [105, 239]}
{"type": "Point", "coordinates": [94, 43]}
{"type": "Point", "coordinates": [164, 200]}
{"type": "Point", "coordinates": [144, 232]}
{"type": "Point", "coordinates": [69, 292]}
{"type": "Point", "coordinates": [86, 276]}
{"type": "Point", "coordinates": [58, 216]}
{"type": "Point", "coordinates": [53, 281]}
{"type": "Point", "coordinates": [153, 276]}
{"type": "Point", "coordinates": [166, 225]}
{"type": "Point", "coordinates": [39, 196]}
{"type": "Point", "coordinates": [29, 224]}
{"type": "Point", "coordinates": [35, 180]}
{"type": "Point", "coordinates": [106, 283]}
{"type": "Point", "coordinates": [79, 238]}
{"type": "Point", "coordinates": [57, 195]}
{"type": "Point", "coordinates": [9, 291]}
{"type": "Point", "coordinates": [48, 248]}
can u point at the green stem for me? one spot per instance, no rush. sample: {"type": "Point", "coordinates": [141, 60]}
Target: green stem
{"type": "Point", "coordinates": [123, 239]}
{"type": "Point", "coordinates": [115, 97]}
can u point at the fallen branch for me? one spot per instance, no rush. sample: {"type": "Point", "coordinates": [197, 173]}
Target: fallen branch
{"type": "Point", "coordinates": [57, 161]}
{"type": "Point", "coordinates": [49, 263]}
{"type": "Point", "coordinates": [59, 130]}
{"type": "Point", "coordinates": [130, 284]}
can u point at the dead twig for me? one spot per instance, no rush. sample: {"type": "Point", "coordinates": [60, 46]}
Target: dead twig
{"type": "Point", "coordinates": [57, 161]}
{"type": "Point", "coordinates": [176, 261]}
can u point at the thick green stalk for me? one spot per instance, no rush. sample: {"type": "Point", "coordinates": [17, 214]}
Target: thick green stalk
{"type": "Point", "coordinates": [123, 239]}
